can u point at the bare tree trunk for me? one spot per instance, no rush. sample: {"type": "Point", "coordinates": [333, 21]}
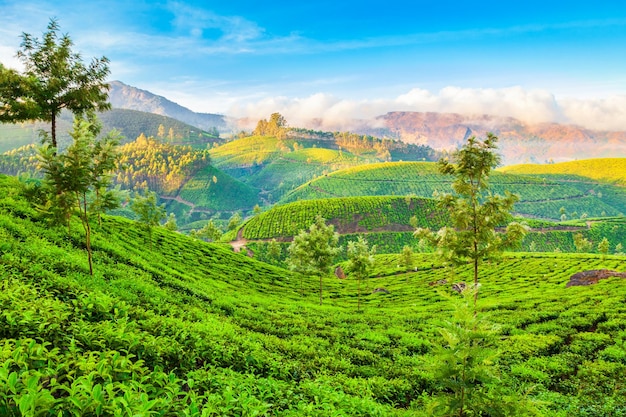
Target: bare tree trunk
{"type": "Point", "coordinates": [54, 130]}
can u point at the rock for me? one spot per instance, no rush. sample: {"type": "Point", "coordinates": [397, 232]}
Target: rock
{"type": "Point", "coordinates": [380, 289]}
{"type": "Point", "coordinates": [339, 273]}
{"type": "Point", "coordinates": [459, 287]}
{"type": "Point", "coordinates": [592, 276]}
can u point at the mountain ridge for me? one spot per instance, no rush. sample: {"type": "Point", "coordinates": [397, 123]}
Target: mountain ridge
{"type": "Point", "coordinates": [127, 97]}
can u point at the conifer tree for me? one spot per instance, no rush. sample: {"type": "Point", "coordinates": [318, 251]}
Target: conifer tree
{"type": "Point", "coordinates": [475, 212]}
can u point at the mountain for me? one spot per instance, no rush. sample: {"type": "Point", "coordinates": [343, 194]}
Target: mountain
{"type": "Point", "coordinates": [124, 96]}
{"type": "Point", "coordinates": [520, 142]}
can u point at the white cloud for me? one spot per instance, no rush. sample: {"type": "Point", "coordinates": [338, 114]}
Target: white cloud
{"type": "Point", "coordinates": [532, 106]}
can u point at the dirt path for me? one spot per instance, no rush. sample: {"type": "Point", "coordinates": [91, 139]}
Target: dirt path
{"type": "Point", "coordinates": [240, 242]}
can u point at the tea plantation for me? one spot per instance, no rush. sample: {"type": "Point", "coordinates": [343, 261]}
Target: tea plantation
{"type": "Point", "coordinates": [193, 329]}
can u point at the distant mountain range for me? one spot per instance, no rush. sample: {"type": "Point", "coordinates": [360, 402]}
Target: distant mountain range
{"type": "Point", "coordinates": [520, 142]}
{"type": "Point", "coordinates": [124, 96]}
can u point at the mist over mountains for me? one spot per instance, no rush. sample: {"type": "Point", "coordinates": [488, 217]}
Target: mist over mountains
{"type": "Point", "coordinates": [520, 141]}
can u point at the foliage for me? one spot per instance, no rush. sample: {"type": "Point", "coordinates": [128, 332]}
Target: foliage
{"type": "Point", "coordinates": [313, 252]}
{"type": "Point", "coordinates": [234, 221]}
{"type": "Point", "coordinates": [474, 211]}
{"type": "Point", "coordinates": [582, 244]}
{"type": "Point", "coordinates": [360, 260]}
{"type": "Point", "coordinates": [210, 231]}
{"type": "Point", "coordinates": [149, 213]}
{"type": "Point", "coordinates": [55, 78]}
{"type": "Point", "coordinates": [80, 177]}
{"type": "Point", "coordinates": [193, 328]}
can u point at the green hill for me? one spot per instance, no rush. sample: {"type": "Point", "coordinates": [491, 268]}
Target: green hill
{"type": "Point", "coordinates": [348, 215]}
{"type": "Point", "coordinates": [190, 328]}
{"type": "Point", "coordinates": [541, 197]}
{"type": "Point", "coordinates": [603, 169]}
{"type": "Point", "coordinates": [276, 166]}
{"type": "Point", "coordinates": [130, 123]}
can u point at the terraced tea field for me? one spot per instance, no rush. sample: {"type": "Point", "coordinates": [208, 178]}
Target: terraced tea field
{"type": "Point", "coordinates": [541, 197]}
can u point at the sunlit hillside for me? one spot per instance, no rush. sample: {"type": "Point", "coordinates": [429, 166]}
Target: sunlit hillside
{"type": "Point", "coordinates": [540, 196]}
{"type": "Point", "coordinates": [604, 169]}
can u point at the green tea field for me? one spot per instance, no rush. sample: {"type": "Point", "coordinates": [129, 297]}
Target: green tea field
{"type": "Point", "coordinates": [190, 328]}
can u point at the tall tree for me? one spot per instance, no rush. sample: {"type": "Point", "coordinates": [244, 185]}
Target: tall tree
{"type": "Point", "coordinates": [80, 177]}
{"type": "Point", "coordinates": [475, 212]}
{"type": "Point", "coordinates": [54, 78]}
{"type": "Point", "coordinates": [313, 252]}
{"type": "Point", "coordinates": [360, 261]}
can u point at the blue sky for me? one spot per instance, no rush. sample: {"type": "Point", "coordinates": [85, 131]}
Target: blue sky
{"type": "Point", "coordinates": [535, 60]}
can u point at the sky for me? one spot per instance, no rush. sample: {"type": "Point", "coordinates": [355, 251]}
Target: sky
{"type": "Point", "coordinates": [539, 61]}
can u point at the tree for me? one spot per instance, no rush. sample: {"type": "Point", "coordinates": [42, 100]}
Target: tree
{"type": "Point", "coordinates": [619, 249]}
{"type": "Point", "coordinates": [581, 243]}
{"type": "Point", "coordinates": [313, 252]}
{"type": "Point", "coordinates": [170, 224]}
{"type": "Point", "coordinates": [406, 256]}
{"type": "Point", "coordinates": [474, 211]}
{"type": "Point", "coordinates": [149, 213]}
{"type": "Point", "coordinates": [604, 246]}
{"type": "Point", "coordinates": [55, 78]}
{"type": "Point", "coordinates": [210, 232]}
{"type": "Point", "coordinates": [274, 250]}
{"type": "Point", "coordinates": [80, 177]}
{"type": "Point", "coordinates": [234, 221]}
{"type": "Point", "coordinates": [360, 261]}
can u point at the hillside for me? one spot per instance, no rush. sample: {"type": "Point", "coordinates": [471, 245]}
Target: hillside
{"type": "Point", "coordinates": [601, 169]}
{"type": "Point", "coordinates": [124, 96]}
{"type": "Point", "coordinates": [277, 166]}
{"type": "Point", "coordinates": [190, 328]}
{"type": "Point", "coordinates": [520, 142]}
{"type": "Point", "coordinates": [348, 215]}
{"type": "Point", "coordinates": [539, 196]}
{"type": "Point", "coordinates": [130, 123]}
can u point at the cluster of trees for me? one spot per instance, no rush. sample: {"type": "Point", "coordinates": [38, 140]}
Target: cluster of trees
{"type": "Point", "coordinates": [276, 126]}
{"type": "Point", "coordinates": [148, 163]}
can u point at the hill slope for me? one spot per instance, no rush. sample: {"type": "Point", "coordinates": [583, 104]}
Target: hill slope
{"type": "Point", "coordinates": [124, 96]}
{"type": "Point", "coordinates": [192, 328]}
{"type": "Point", "coordinates": [539, 196]}
{"type": "Point", "coordinates": [602, 169]}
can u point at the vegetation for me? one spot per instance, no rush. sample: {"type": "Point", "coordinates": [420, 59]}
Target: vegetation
{"type": "Point", "coordinates": [314, 252]}
{"type": "Point", "coordinates": [541, 197]}
{"type": "Point", "coordinates": [349, 215]}
{"type": "Point", "coordinates": [149, 213]}
{"type": "Point", "coordinates": [360, 260]}
{"type": "Point", "coordinates": [603, 169]}
{"type": "Point", "coordinates": [55, 78]}
{"type": "Point", "coordinates": [194, 327]}
{"type": "Point", "coordinates": [474, 211]}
